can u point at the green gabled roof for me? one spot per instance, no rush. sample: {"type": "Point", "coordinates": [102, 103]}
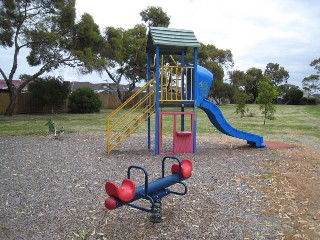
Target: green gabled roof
{"type": "Point", "coordinates": [170, 40]}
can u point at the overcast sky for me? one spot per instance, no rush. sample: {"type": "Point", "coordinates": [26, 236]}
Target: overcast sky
{"type": "Point", "coordinates": [256, 31]}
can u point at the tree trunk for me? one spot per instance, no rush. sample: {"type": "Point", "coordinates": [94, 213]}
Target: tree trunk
{"type": "Point", "coordinates": [14, 94]}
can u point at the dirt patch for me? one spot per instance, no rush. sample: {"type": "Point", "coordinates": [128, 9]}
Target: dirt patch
{"type": "Point", "coordinates": [278, 145]}
{"type": "Point", "coordinates": [292, 188]}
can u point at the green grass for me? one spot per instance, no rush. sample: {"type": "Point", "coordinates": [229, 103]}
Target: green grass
{"type": "Point", "coordinates": [292, 123]}
{"type": "Point", "coordinates": [34, 124]}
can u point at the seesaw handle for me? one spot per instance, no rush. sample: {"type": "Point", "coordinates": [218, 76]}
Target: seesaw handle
{"type": "Point", "coordinates": [174, 158]}
{"type": "Point", "coordinates": [146, 180]}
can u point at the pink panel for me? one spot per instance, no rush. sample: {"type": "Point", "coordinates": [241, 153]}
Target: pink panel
{"type": "Point", "coordinates": [182, 141]}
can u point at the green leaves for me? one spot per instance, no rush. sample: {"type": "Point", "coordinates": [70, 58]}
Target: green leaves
{"type": "Point", "coordinates": [277, 74]}
{"type": "Point", "coordinates": [155, 16]}
{"type": "Point", "coordinates": [125, 55]}
{"type": "Point", "coordinates": [50, 91]}
{"type": "Point", "coordinates": [267, 93]}
{"type": "Point", "coordinates": [84, 100]}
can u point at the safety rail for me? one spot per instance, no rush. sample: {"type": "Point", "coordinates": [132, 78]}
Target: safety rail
{"type": "Point", "coordinates": [121, 124]}
{"type": "Point", "coordinates": [176, 83]}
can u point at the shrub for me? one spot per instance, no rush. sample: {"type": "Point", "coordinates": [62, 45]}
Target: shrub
{"type": "Point", "coordinates": [309, 101]}
{"type": "Point", "coordinates": [84, 100]}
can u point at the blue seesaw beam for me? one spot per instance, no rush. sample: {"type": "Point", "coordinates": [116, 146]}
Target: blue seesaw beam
{"type": "Point", "coordinates": [155, 190]}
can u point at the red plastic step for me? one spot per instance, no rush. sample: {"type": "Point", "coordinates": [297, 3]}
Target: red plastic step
{"type": "Point", "coordinates": [125, 192]}
{"type": "Point", "coordinates": [186, 168]}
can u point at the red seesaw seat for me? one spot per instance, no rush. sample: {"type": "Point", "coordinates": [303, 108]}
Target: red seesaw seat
{"type": "Point", "coordinates": [125, 193]}
{"type": "Point", "coordinates": [186, 168]}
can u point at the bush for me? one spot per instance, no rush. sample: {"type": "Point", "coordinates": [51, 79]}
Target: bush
{"type": "Point", "coordinates": [84, 100]}
{"type": "Point", "coordinates": [309, 101]}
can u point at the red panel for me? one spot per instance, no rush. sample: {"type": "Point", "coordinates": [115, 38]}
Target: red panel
{"type": "Point", "coordinates": [182, 141]}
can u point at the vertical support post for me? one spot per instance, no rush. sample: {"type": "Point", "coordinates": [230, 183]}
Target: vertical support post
{"type": "Point", "coordinates": [182, 74]}
{"type": "Point", "coordinates": [196, 92]}
{"type": "Point", "coordinates": [148, 79]}
{"type": "Point", "coordinates": [182, 89]}
{"type": "Point", "coordinates": [157, 100]}
{"type": "Point", "coordinates": [182, 117]}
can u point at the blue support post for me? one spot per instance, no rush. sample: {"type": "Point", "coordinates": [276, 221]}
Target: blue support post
{"type": "Point", "coordinates": [196, 92]}
{"type": "Point", "coordinates": [148, 79]}
{"type": "Point", "coordinates": [157, 100]}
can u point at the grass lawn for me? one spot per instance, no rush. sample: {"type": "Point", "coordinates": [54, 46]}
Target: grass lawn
{"type": "Point", "coordinates": [295, 124]}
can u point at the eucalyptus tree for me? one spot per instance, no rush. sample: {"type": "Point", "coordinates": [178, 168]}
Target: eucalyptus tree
{"type": "Point", "coordinates": [155, 16]}
{"type": "Point", "coordinates": [49, 91]}
{"type": "Point", "coordinates": [125, 51]}
{"type": "Point", "coordinates": [311, 84]}
{"type": "Point", "coordinates": [277, 74]}
{"type": "Point", "coordinates": [255, 76]}
{"type": "Point", "coordinates": [48, 29]}
{"type": "Point", "coordinates": [125, 54]}
{"type": "Point", "coordinates": [217, 61]}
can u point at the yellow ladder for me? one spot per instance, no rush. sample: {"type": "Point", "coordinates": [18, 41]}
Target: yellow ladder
{"type": "Point", "coordinates": [121, 123]}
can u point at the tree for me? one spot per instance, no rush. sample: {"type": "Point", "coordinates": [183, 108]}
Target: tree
{"type": "Point", "coordinates": [293, 95]}
{"type": "Point", "coordinates": [255, 76]}
{"type": "Point", "coordinates": [311, 84]}
{"type": "Point", "coordinates": [316, 64]}
{"type": "Point", "coordinates": [48, 29]}
{"type": "Point", "coordinates": [243, 83]}
{"type": "Point", "coordinates": [49, 91]}
{"type": "Point", "coordinates": [155, 16]}
{"type": "Point", "coordinates": [216, 60]}
{"type": "Point", "coordinates": [240, 79]}
{"type": "Point", "coordinates": [277, 74]}
{"type": "Point", "coordinates": [220, 91]}
{"type": "Point", "coordinates": [125, 54]}
{"type": "Point", "coordinates": [267, 93]}
{"type": "Point", "coordinates": [241, 98]}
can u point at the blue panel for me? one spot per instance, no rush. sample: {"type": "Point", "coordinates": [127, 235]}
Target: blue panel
{"type": "Point", "coordinates": [205, 79]}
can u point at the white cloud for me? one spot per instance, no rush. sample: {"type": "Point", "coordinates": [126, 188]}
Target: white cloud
{"type": "Point", "coordinates": [256, 31]}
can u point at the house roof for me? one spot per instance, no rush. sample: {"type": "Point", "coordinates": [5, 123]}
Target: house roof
{"type": "Point", "coordinates": [171, 40]}
{"type": "Point", "coordinates": [100, 87]}
{"type": "Point", "coordinates": [3, 84]}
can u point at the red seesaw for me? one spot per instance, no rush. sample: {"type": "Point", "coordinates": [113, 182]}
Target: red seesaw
{"type": "Point", "coordinates": [127, 193]}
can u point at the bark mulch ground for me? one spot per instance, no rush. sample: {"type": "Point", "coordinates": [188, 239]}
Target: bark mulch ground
{"type": "Point", "coordinates": [54, 189]}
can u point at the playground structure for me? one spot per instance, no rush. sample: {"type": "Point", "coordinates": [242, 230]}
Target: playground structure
{"type": "Point", "coordinates": [180, 85]}
{"type": "Point", "coordinates": [128, 193]}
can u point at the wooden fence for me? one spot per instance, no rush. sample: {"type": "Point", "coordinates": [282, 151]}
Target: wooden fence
{"type": "Point", "coordinates": [26, 104]}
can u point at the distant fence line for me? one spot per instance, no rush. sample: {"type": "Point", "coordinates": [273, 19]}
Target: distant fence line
{"type": "Point", "coordinates": [26, 104]}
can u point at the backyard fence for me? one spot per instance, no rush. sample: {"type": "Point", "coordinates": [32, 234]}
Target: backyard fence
{"type": "Point", "coordinates": [26, 104]}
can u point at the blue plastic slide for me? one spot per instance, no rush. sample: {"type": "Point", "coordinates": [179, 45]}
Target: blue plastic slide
{"type": "Point", "coordinates": [215, 115]}
{"type": "Point", "coordinates": [217, 119]}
